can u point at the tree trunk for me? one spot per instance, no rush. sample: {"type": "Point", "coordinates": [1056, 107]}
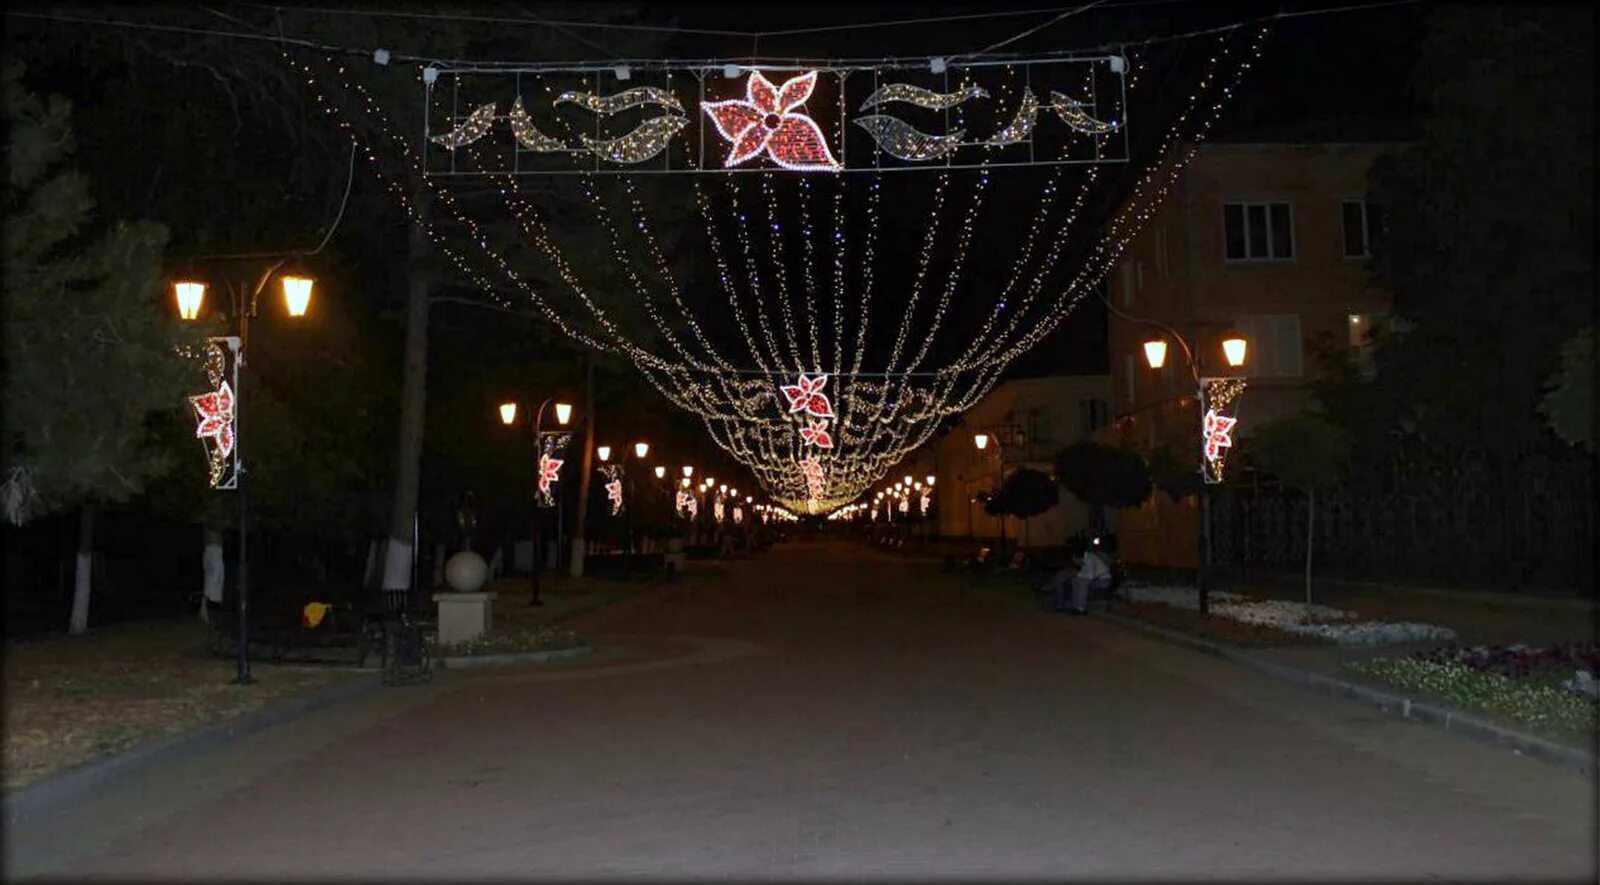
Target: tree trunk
{"type": "Point", "coordinates": [212, 570]}
{"type": "Point", "coordinates": [1311, 522]}
{"type": "Point", "coordinates": [398, 551]}
{"type": "Point", "coordinates": [85, 566]}
{"type": "Point", "coordinates": [587, 467]}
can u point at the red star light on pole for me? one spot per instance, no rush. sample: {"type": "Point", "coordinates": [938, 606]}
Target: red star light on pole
{"type": "Point", "coordinates": [549, 472]}
{"type": "Point", "coordinates": [215, 410]}
{"type": "Point", "coordinates": [1217, 434]}
{"type": "Point", "coordinates": [765, 120]}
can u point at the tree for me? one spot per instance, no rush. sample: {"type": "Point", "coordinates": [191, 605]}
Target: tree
{"type": "Point", "coordinates": [91, 355]}
{"type": "Point", "coordinates": [1101, 476]}
{"type": "Point", "coordinates": [1304, 450]}
{"type": "Point", "coordinates": [1026, 493]}
{"type": "Point", "coordinates": [1488, 243]}
{"type": "Point", "coordinates": [1568, 404]}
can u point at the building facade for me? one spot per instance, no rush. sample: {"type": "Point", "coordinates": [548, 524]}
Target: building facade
{"type": "Point", "coordinates": [1027, 421]}
{"type": "Point", "coordinates": [1268, 240]}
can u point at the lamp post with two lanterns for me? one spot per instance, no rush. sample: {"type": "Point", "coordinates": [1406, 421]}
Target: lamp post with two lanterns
{"type": "Point", "coordinates": [190, 297]}
{"type": "Point", "coordinates": [1234, 348]}
{"type": "Point", "coordinates": [508, 416]}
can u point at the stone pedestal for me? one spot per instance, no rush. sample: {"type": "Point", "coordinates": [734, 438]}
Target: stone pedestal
{"type": "Point", "coordinates": [464, 616]}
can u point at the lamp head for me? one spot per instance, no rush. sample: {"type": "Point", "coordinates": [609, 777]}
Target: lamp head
{"type": "Point", "coordinates": [190, 295]}
{"type": "Point", "coordinates": [508, 413]}
{"type": "Point", "coordinates": [603, 453]}
{"type": "Point", "coordinates": [1155, 353]}
{"type": "Point", "coordinates": [563, 413]}
{"type": "Point", "coordinates": [297, 295]}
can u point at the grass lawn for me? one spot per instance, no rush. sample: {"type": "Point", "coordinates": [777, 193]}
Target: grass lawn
{"type": "Point", "coordinates": [72, 699]}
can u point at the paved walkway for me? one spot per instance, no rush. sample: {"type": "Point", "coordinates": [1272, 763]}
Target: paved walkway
{"type": "Point", "coordinates": [830, 712]}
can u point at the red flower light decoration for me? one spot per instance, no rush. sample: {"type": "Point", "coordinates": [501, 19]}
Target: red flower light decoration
{"type": "Point", "coordinates": [765, 120]}
{"type": "Point", "coordinates": [549, 472]}
{"type": "Point", "coordinates": [817, 435]}
{"type": "Point", "coordinates": [614, 493]}
{"type": "Point", "coordinates": [215, 410]}
{"type": "Point", "coordinates": [1217, 434]}
{"type": "Point", "coordinates": [803, 396]}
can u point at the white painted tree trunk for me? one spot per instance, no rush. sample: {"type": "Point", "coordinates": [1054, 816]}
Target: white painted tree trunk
{"type": "Point", "coordinates": [396, 565]}
{"type": "Point", "coordinates": [85, 565]}
{"type": "Point", "coordinates": [212, 570]}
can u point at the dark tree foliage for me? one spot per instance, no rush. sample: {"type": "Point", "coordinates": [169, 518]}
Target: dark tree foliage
{"type": "Point", "coordinates": [1102, 476]}
{"type": "Point", "coordinates": [1026, 493]}
{"type": "Point", "coordinates": [1489, 246]}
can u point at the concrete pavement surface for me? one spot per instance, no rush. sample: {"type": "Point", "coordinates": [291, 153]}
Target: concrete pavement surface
{"type": "Point", "coordinates": [829, 712]}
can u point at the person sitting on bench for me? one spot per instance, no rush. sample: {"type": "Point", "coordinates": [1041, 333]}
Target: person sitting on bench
{"type": "Point", "coordinates": [1089, 571]}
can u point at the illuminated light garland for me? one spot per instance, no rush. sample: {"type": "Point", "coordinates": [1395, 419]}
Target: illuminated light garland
{"type": "Point", "coordinates": [927, 501]}
{"type": "Point", "coordinates": [1216, 428]}
{"type": "Point", "coordinates": [738, 515]}
{"type": "Point", "coordinates": [649, 139]}
{"type": "Point", "coordinates": [611, 104]}
{"type": "Point", "coordinates": [1021, 125]}
{"type": "Point", "coordinates": [1073, 114]}
{"type": "Point", "coordinates": [527, 135]}
{"type": "Point", "coordinates": [717, 510]}
{"type": "Point", "coordinates": [765, 120]}
{"type": "Point", "coordinates": [923, 98]}
{"type": "Point", "coordinates": [903, 141]}
{"type": "Point", "coordinates": [215, 412]}
{"type": "Point", "coordinates": [878, 420]}
{"type": "Point", "coordinates": [475, 127]}
{"type": "Point", "coordinates": [803, 396]}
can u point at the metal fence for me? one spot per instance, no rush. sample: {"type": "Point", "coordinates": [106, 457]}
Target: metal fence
{"type": "Point", "coordinates": [1433, 526]}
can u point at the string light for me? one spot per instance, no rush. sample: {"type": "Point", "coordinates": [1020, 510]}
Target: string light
{"type": "Point", "coordinates": [476, 127]}
{"type": "Point", "coordinates": [611, 104]}
{"type": "Point", "coordinates": [1216, 429]}
{"type": "Point", "coordinates": [877, 415]}
{"type": "Point", "coordinates": [922, 98]}
{"type": "Point", "coordinates": [766, 121]}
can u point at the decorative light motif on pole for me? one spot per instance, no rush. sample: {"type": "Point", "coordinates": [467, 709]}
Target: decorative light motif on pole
{"type": "Point", "coordinates": [1216, 431]}
{"type": "Point", "coordinates": [216, 411]}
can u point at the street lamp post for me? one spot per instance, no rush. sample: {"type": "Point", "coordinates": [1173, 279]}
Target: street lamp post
{"type": "Point", "coordinates": [981, 440]}
{"type": "Point", "coordinates": [190, 295]}
{"type": "Point", "coordinates": [508, 416]}
{"type": "Point", "coordinates": [1233, 351]}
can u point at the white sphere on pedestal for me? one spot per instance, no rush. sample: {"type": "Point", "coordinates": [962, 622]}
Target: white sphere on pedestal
{"type": "Point", "coordinates": [466, 572]}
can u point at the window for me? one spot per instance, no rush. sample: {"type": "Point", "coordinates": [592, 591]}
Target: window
{"type": "Point", "coordinates": [1363, 227]}
{"type": "Point", "coordinates": [1275, 345]}
{"type": "Point", "coordinates": [1095, 415]}
{"type": "Point", "coordinates": [1258, 231]}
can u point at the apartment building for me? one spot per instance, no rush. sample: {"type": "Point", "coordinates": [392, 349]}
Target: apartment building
{"type": "Point", "coordinates": [1270, 240]}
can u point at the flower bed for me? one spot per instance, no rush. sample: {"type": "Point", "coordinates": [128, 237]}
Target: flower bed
{"type": "Point", "coordinates": [1534, 700]}
{"type": "Point", "coordinates": [1220, 629]}
{"type": "Point", "coordinates": [1312, 621]}
{"type": "Point", "coordinates": [539, 637]}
